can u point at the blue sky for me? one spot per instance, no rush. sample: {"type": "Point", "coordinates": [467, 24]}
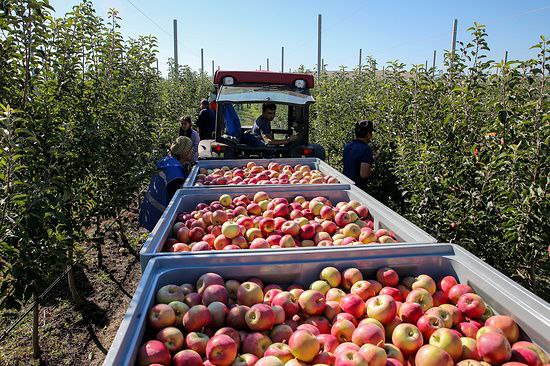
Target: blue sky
{"type": "Point", "coordinates": [242, 34]}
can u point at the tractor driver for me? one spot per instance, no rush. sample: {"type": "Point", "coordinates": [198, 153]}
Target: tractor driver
{"type": "Point", "coordinates": [261, 134]}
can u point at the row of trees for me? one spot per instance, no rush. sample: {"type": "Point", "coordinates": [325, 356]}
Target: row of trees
{"type": "Point", "coordinates": [463, 154]}
{"type": "Point", "coordinates": [84, 115]}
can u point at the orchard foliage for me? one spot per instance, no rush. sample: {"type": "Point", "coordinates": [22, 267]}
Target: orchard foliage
{"type": "Point", "coordinates": [463, 153]}
{"type": "Point", "coordinates": [84, 116]}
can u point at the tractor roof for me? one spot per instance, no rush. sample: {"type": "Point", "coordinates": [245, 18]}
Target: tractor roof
{"type": "Point", "coordinates": [263, 77]}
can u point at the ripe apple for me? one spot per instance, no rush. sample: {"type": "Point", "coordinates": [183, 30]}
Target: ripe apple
{"type": "Point", "coordinates": [266, 225]}
{"type": "Point", "coordinates": [407, 338]}
{"type": "Point", "coordinates": [235, 317]}
{"type": "Point", "coordinates": [260, 317]}
{"type": "Point", "coordinates": [280, 351]}
{"type": "Point", "coordinates": [312, 302]}
{"type": "Point", "coordinates": [167, 294]}
{"type": "Point", "coordinates": [382, 308]}
{"type": "Point", "coordinates": [448, 341]}
{"type": "Point", "coordinates": [288, 302]}
{"type": "Point", "coordinates": [161, 316]}
{"type": "Point", "coordinates": [197, 342]}
{"type": "Point", "coordinates": [367, 236]}
{"type": "Point", "coordinates": [458, 317]}
{"type": "Point", "coordinates": [269, 361]}
{"type": "Point", "coordinates": [192, 299]}
{"type": "Point", "coordinates": [351, 275]}
{"type": "Point", "coordinates": [425, 282]}
{"type": "Point", "coordinates": [231, 332]}
{"type": "Point", "coordinates": [352, 230]}
{"type": "Point", "coordinates": [196, 318]}
{"type": "Point", "coordinates": [392, 352]}
{"type": "Point", "coordinates": [342, 218]}
{"type": "Point", "coordinates": [180, 309]}
{"type": "Point", "coordinates": [494, 348]}
{"type": "Point", "coordinates": [320, 323]}
{"type": "Point", "coordinates": [332, 310]}
{"type": "Point", "coordinates": [353, 304]}
{"type": "Point", "coordinates": [364, 289]}
{"type": "Point", "coordinates": [253, 233]}
{"type": "Point", "coordinates": [154, 352]}
{"type": "Point", "coordinates": [328, 342]}
{"type": "Point", "coordinates": [443, 314]}
{"type": "Point", "coordinates": [410, 312]}
{"type": "Point", "coordinates": [506, 324]}
{"type": "Point", "coordinates": [208, 279]}
{"type": "Point", "coordinates": [393, 292]}
{"type": "Point", "coordinates": [343, 330]}
{"type": "Point", "coordinates": [331, 275]}
{"type": "Point", "coordinates": [250, 293]}
{"type": "Point", "coordinates": [304, 345]}
{"type": "Point", "coordinates": [172, 338]}
{"type": "Point", "coordinates": [458, 290]}
{"type": "Point", "coordinates": [471, 305]}
{"type": "Point", "coordinates": [422, 297]}
{"type": "Point", "coordinates": [281, 333]}
{"type": "Point", "coordinates": [246, 359]}
{"type": "Point", "coordinates": [350, 358]}
{"type": "Point", "coordinates": [368, 333]}
{"type": "Point", "coordinates": [320, 285]}
{"type": "Point", "coordinates": [429, 324]}
{"type": "Point", "coordinates": [429, 355]}
{"type": "Point", "coordinates": [215, 293]}
{"type": "Point", "coordinates": [307, 231]}
{"type": "Point", "coordinates": [291, 228]}
{"type": "Point", "coordinates": [345, 347]}
{"type": "Point", "coordinates": [469, 349]}
{"type": "Point", "coordinates": [324, 358]}
{"type": "Point", "coordinates": [439, 298]}
{"type": "Point", "coordinates": [221, 350]}
{"type": "Point", "coordinates": [230, 229]}
{"type": "Point", "coordinates": [256, 343]}
{"type": "Point", "coordinates": [218, 312]}
{"type": "Point", "coordinates": [375, 356]}
{"type": "Point", "coordinates": [187, 357]}
{"type": "Point", "coordinates": [533, 347]}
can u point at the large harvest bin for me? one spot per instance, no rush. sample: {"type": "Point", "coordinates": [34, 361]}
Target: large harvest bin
{"type": "Point", "coordinates": [313, 163]}
{"type": "Point", "coordinates": [437, 260]}
{"type": "Point", "coordinates": [187, 199]}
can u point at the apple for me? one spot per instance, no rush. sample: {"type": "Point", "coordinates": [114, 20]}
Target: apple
{"type": "Point", "coordinates": [280, 333]}
{"type": "Point", "coordinates": [382, 308]}
{"type": "Point", "coordinates": [331, 275]}
{"type": "Point", "coordinates": [443, 314]}
{"type": "Point", "coordinates": [328, 342]}
{"type": "Point", "coordinates": [253, 233]}
{"type": "Point", "coordinates": [469, 349]}
{"type": "Point", "coordinates": [307, 231]}
{"type": "Point", "coordinates": [506, 324]}
{"type": "Point", "coordinates": [350, 358]}
{"type": "Point", "coordinates": [494, 348]}
{"type": "Point", "coordinates": [167, 294]}
{"type": "Point", "coordinates": [270, 293]}
{"type": "Point", "coordinates": [326, 212]}
{"type": "Point", "coordinates": [387, 276]}
{"type": "Point", "coordinates": [280, 351]}
{"type": "Point", "coordinates": [288, 302]}
{"type": "Point", "coordinates": [351, 275]}
{"type": "Point", "coordinates": [218, 312]}
{"type": "Point", "coordinates": [375, 356]}
{"type": "Point", "coordinates": [172, 338]}
{"type": "Point", "coordinates": [235, 318]}
{"type": "Point", "coordinates": [422, 297]}
{"type": "Point", "coordinates": [533, 347]}
{"type": "Point", "coordinates": [446, 283]}
{"type": "Point", "coordinates": [468, 329]}
{"type": "Point", "coordinates": [324, 358]}
{"type": "Point", "coordinates": [197, 342]}
{"type": "Point", "coordinates": [343, 330]}
{"type": "Point", "coordinates": [320, 285]}
{"type": "Point", "coordinates": [393, 292]}
{"type": "Point", "coordinates": [196, 318]}
{"type": "Point", "coordinates": [304, 345]}
{"type": "Point", "coordinates": [291, 228]}
{"type": "Point", "coordinates": [161, 316]}
{"type": "Point", "coordinates": [368, 333]}
{"type": "Point", "coordinates": [407, 338]}
{"type": "Point", "coordinates": [267, 225]}
{"type": "Point", "coordinates": [192, 299]}
{"type": "Point", "coordinates": [448, 341]}
{"type": "Point", "coordinates": [458, 290]}
{"type": "Point", "coordinates": [352, 231]}
{"type": "Point", "coordinates": [312, 302]}
{"type": "Point", "coordinates": [256, 343]}
{"type": "Point", "coordinates": [232, 287]}
{"type": "Point", "coordinates": [183, 234]}
{"type": "Point", "coordinates": [246, 359]}
{"type": "Point", "coordinates": [260, 317]}
{"type": "Point", "coordinates": [231, 332]}
{"type": "Point", "coordinates": [187, 357]}
{"type": "Point", "coordinates": [215, 293]}
{"type": "Point", "coordinates": [353, 304]}
{"type": "Point", "coordinates": [487, 329]}
{"type": "Point", "coordinates": [225, 200]}
{"type": "Point", "coordinates": [221, 350]}
{"type": "Point", "coordinates": [259, 243]}
{"type": "Point", "coordinates": [410, 312]}
{"type": "Point", "coordinates": [332, 309]}
{"type": "Point", "coordinates": [425, 282]}
{"type": "Point", "coordinates": [367, 236]}
{"type": "Point", "coordinates": [180, 309]}
{"type": "Point", "coordinates": [392, 352]}
{"type": "Point", "coordinates": [429, 324]}
{"type": "Point", "coordinates": [345, 347]}
{"type": "Point", "coordinates": [439, 298]}
{"type": "Point", "coordinates": [342, 218]}
{"type": "Point", "coordinates": [320, 323]}
{"type": "Point", "coordinates": [208, 279]}
{"type": "Point", "coordinates": [429, 355]}
{"type": "Point", "coordinates": [377, 286]}
{"type": "Point", "coordinates": [269, 361]}
{"type": "Point", "coordinates": [218, 218]}
{"type": "Point", "coordinates": [471, 305]}
{"type": "Point", "coordinates": [287, 241]}
{"type": "Point", "coordinates": [250, 293]}
{"type": "Point", "coordinates": [154, 352]}
{"type": "Point", "coordinates": [458, 317]}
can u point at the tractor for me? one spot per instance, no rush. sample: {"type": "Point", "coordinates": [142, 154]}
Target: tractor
{"type": "Point", "coordinates": [237, 98]}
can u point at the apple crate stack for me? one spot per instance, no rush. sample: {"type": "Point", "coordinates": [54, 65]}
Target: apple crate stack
{"type": "Point", "coordinates": [281, 265]}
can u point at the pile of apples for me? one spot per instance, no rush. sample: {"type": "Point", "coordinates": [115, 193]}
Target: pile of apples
{"type": "Point", "coordinates": [274, 173]}
{"type": "Point", "coordinates": [342, 319]}
{"type": "Point", "coordinates": [262, 222]}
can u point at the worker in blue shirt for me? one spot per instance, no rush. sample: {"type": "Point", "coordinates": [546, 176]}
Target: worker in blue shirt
{"type": "Point", "coordinates": [358, 159]}
{"type": "Point", "coordinates": [261, 135]}
{"type": "Point", "coordinates": [172, 172]}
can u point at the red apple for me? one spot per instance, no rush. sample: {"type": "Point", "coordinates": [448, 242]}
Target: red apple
{"type": "Point", "coordinates": [429, 355]}
{"type": "Point", "coordinates": [288, 302]}
{"type": "Point", "coordinates": [448, 341]}
{"type": "Point", "coordinates": [235, 318]}
{"type": "Point", "coordinates": [260, 317]}
{"type": "Point", "coordinates": [533, 347]}
{"type": "Point", "coordinates": [368, 333]}
{"type": "Point", "coordinates": [328, 342]}
{"type": "Point", "coordinates": [387, 277]}
{"type": "Point", "coordinates": [407, 338]}
{"type": "Point", "coordinates": [187, 357]}
{"type": "Point", "coordinates": [364, 289]}
{"type": "Point", "coordinates": [422, 297]}
{"type": "Point", "coordinates": [154, 352]}
{"type": "Point", "coordinates": [375, 356]}
{"type": "Point", "coordinates": [410, 312]}
{"type": "Point", "coordinates": [446, 283]}
{"type": "Point", "coordinates": [280, 333]}
{"type": "Point", "coordinates": [442, 314]}
{"type": "Point", "coordinates": [458, 290]}
{"type": "Point", "coordinates": [215, 293]}
{"type": "Point", "coordinates": [353, 304]}
{"type": "Point", "coordinates": [312, 302]}
{"type": "Point", "coordinates": [469, 349]}
{"type": "Point", "coordinates": [197, 342]}
{"type": "Point", "coordinates": [343, 330]}
{"type": "Point", "coordinates": [351, 275]}
{"type": "Point", "coordinates": [208, 279]}
{"type": "Point", "coordinates": [218, 312]}
{"type": "Point", "coordinates": [280, 351]}
{"type": "Point", "coordinates": [382, 308]}
{"type": "Point", "coordinates": [494, 348]}
{"type": "Point", "coordinates": [304, 345]}
{"type": "Point", "coordinates": [196, 318]}
{"type": "Point", "coordinates": [506, 324]}
{"type": "Point", "coordinates": [172, 338]}
{"type": "Point", "coordinates": [256, 343]}
{"type": "Point", "coordinates": [250, 293]}
{"type": "Point", "coordinates": [429, 324]}
{"type": "Point", "coordinates": [471, 305]}
{"type": "Point", "coordinates": [221, 350]}
{"type": "Point", "coordinates": [161, 316]}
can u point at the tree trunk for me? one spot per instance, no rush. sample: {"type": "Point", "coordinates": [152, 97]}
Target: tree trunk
{"type": "Point", "coordinates": [77, 299]}
{"type": "Point", "coordinates": [35, 339]}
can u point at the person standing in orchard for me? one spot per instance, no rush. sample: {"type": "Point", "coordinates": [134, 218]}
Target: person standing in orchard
{"type": "Point", "coordinates": [206, 122]}
{"type": "Point", "coordinates": [358, 158]}
{"type": "Point", "coordinates": [188, 131]}
{"type": "Point", "coordinates": [171, 174]}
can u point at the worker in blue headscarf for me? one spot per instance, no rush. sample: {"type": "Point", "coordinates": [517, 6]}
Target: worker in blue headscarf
{"type": "Point", "coordinates": [172, 172]}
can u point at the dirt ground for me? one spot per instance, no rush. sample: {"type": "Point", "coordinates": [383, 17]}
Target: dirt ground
{"type": "Point", "coordinates": [70, 336]}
